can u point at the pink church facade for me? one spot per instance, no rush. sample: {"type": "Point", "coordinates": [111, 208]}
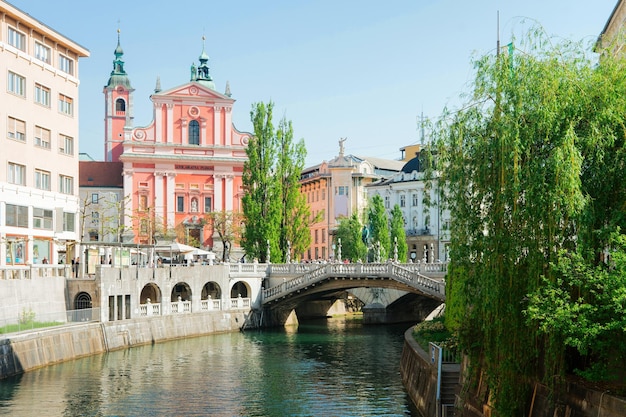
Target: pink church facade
{"type": "Point", "coordinates": [187, 162]}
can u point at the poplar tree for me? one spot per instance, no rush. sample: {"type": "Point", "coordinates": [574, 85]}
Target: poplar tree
{"type": "Point", "coordinates": [398, 234]}
{"type": "Point", "coordinates": [261, 204]}
{"type": "Point", "coordinates": [274, 210]}
{"type": "Point", "coordinates": [295, 213]}
{"type": "Point", "coordinates": [350, 233]}
{"type": "Point", "coordinates": [379, 226]}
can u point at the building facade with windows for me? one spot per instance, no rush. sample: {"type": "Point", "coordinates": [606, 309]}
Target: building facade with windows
{"type": "Point", "coordinates": [39, 83]}
{"type": "Point", "coordinates": [187, 162]}
{"type": "Point", "coordinates": [427, 224]}
{"type": "Point", "coordinates": [335, 189]}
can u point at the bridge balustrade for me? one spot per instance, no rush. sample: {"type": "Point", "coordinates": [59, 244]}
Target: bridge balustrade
{"type": "Point", "coordinates": [395, 271]}
{"type": "Point", "coordinates": [179, 307]}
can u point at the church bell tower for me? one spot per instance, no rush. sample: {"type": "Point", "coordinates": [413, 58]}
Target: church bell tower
{"type": "Point", "coordinates": [118, 98]}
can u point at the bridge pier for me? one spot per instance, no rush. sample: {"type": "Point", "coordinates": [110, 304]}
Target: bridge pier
{"type": "Point", "coordinates": [275, 317]}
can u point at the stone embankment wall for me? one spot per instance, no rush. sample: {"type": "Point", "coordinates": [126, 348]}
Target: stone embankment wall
{"type": "Point", "coordinates": [22, 352]}
{"type": "Point", "coordinates": [418, 376]}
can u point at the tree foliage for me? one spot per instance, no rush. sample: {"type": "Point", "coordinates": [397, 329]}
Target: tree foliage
{"type": "Point", "coordinates": [523, 165]}
{"type": "Point", "coordinates": [352, 245]}
{"type": "Point", "coordinates": [378, 223]}
{"type": "Point", "coordinates": [398, 234]}
{"type": "Point", "coordinates": [274, 211]}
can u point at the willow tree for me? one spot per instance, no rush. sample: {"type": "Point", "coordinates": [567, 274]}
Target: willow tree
{"type": "Point", "coordinates": [511, 168]}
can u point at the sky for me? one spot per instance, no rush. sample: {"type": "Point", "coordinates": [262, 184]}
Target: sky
{"type": "Point", "coordinates": [356, 69]}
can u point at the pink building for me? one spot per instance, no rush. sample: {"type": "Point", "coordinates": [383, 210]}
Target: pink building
{"type": "Point", "coordinates": [187, 162]}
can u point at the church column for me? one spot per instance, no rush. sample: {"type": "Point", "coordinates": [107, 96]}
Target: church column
{"type": "Point", "coordinates": [158, 122]}
{"type": "Point", "coordinates": [229, 192]}
{"type": "Point", "coordinates": [218, 197]}
{"type": "Point", "coordinates": [128, 198]}
{"type": "Point", "coordinates": [171, 196]}
{"type": "Point", "coordinates": [170, 122]}
{"type": "Point", "coordinates": [217, 122]}
{"type": "Point", "coordinates": [183, 131]}
{"type": "Point", "coordinates": [228, 125]}
{"type": "Point", "coordinates": [203, 140]}
{"type": "Point", "coordinates": [159, 185]}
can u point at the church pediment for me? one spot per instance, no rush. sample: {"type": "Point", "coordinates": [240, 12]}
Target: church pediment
{"type": "Point", "coordinates": [194, 89]}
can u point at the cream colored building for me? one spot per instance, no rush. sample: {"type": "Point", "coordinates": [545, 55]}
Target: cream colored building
{"type": "Point", "coordinates": [39, 79]}
{"type": "Point", "coordinates": [335, 189]}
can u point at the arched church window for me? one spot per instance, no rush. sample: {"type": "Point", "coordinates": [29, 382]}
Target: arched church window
{"type": "Point", "coordinates": [194, 132]}
{"type": "Point", "coordinates": [120, 105]}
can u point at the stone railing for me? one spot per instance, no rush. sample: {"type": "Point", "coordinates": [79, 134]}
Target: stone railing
{"type": "Point", "coordinates": [182, 307]}
{"type": "Point", "coordinates": [35, 271]}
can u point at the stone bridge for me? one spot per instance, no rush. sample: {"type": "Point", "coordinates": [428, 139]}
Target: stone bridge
{"type": "Point", "coordinates": [377, 285]}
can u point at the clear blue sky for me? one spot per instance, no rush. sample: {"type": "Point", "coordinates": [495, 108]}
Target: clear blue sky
{"type": "Point", "coordinates": [359, 69]}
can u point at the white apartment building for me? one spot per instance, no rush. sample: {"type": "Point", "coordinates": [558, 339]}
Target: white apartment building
{"type": "Point", "coordinates": [427, 225]}
{"type": "Point", "coordinates": [39, 203]}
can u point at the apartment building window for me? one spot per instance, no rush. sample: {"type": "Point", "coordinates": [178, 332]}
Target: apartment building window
{"type": "Point", "coordinates": [66, 145]}
{"type": "Point", "coordinates": [95, 218]}
{"type": "Point", "coordinates": [17, 39]}
{"type": "Point", "coordinates": [42, 219]}
{"type": "Point", "coordinates": [42, 95]}
{"type": "Point", "coordinates": [66, 105]}
{"type": "Point", "coordinates": [16, 129]}
{"type": "Point", "coordinates": [323, 235]}
{"type": "Point", "coordinates": [69, 222]}
{"type": "Point", "coordinates": [208, 204]}
{"type": "Point", "coordinates": [17, 216]}
{"type": "Point", "coordinates": [180, 203]}
{"type": "Point", "coordinates": [94, 198]}
{"type": "Point", "coordinates": [66, 64]}
{"type": "Point", "coordinates": [42, 52]}
{"type": "Point", "coordinates": [402, 200]}
{"type": "Point", "coordinates": [194, 132]}
{"type": "Point", "coordinates": [16, 84]}
{"type": "Point", "coordinates": [415, 200]}
{"type": "Point", "coordinates": [316, 233]}
{"type": "Point", "coordinates": [342, 190]}
{"type": "Point", "coordinates": [386, 201]}
{"type": "Point", "coordinates": [42, 180]}
{"type": "Point", "coordinates": [42, 137]}
{"type": "Point", "coordinates": [66, 184]}
{"type": "Point", "coordinates": [16, 174]}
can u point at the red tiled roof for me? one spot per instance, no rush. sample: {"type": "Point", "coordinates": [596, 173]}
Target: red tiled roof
{"type": "Point", "coordinates": [100, 174]}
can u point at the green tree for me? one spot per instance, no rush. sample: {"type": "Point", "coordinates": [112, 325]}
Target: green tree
{"type": "Point", "coordinates": [295, 213]}
{"type": "Point", "coordinates": [512, 176]}
{"type": "Point", "coordinates": [398, 234]}
{"type": "Point", "coordinates": [379, 225]}
{"type": "Point", "coordinates": [261, 206]}
{"type": "Point", "coordinates": [276, 215]}
{"type": "Point", "coordinates": [352, 246]}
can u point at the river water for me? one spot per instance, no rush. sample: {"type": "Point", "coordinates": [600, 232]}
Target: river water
{"type": "Point", "coordinates": [334, 367]}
